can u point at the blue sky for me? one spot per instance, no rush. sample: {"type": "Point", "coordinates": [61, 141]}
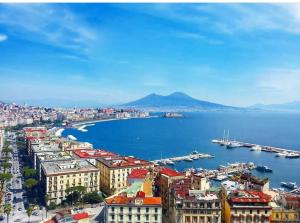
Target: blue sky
{"type": "Point", "coordinates": [94, 54]}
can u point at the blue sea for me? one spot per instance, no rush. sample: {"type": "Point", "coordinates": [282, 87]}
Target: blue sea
{"type": "Point", "coordinates": [152, 138]}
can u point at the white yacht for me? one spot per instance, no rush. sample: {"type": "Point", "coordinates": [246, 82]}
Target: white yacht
{"type": "Point", "coordinates": [256, 148]}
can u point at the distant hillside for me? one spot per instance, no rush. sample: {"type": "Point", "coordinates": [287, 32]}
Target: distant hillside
{"type": "Point", "coordinates": [291, 106]}
{"type": "Point", "coordinates": [177, 101]}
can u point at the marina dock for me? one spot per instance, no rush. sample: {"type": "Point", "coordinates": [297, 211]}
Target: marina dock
{"type": "Point", "coordinates": [279, 151]}
{"type": "Point", "coordinates": [223, 172]}
{"type": "Point", "coordinates": [188, 158]}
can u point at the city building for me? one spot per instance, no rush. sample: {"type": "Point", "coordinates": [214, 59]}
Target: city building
{"type": "Point", "coordinates": [2, 136]}
{"type": "Point", "coordinates": [57, 176]}
{"type": "Point", "coordinates": [92, 154]}
{"type": "Point", "coordinates": [41, 148]}
{"type": "Point", "coordinates": [114, 171]}
{"type": "Point", "coordinates": [50, 156]}
{"type": "Point", "coordinates": [139, 208]}
{"type": "Point", "coordinates": [165, 176]}
{"type": "Point", "coordinates": [247, 206]}
{"type": "Point", "coordinates": [194, 206]}
{"type": "Point", "coordinates": [284, 215]}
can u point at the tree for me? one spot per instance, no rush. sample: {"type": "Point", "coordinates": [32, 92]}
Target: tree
{"type": "Point", "coordinates": [4, 177]}
{"type": "Point", "coordinates": [29, 184]}
{"type": "Point", "coordinates": [7, 151]}
{"type": "Point", "coordinates": [75, 193]}
{"type": "Point", "coordinates": [29, 211]}
{"type": "Point", "coordinates": [47, 198]}
{"type": "Point", "coordinates": [29, 172]}
{"type": "Point", "coordinates": [52, 205]}
{"type": "Point", "coordinates": [7, 209]}
{"type": "Point", "coordinates": [92, 198]}
{"type": "Point", "coordinates": [5, 166]}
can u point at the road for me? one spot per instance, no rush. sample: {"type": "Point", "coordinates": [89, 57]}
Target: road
{"type": "Point", "coordinates": [18, 213]}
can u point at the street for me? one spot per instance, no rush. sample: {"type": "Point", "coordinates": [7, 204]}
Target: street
{"type": "Point", "coordinates": [16, 191]}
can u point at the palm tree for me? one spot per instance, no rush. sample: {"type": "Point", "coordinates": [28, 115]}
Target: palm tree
{"type": "Point", "coordinates": [29, 211]}
{"type": "Point", "coordinates": [7, 209]}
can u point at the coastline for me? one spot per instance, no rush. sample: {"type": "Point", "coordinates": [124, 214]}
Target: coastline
{"type": "Point", "coordinates": [76, 124]}
{"type": "Point", "coordinates": [59, 132]}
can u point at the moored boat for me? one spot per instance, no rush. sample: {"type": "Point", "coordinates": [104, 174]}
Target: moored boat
{"type": "Point", "coordinates": [264, 169]}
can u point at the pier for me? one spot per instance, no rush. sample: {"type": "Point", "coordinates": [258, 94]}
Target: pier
{"type": "Point", "coordinates": [279, 151]}
{"type": "Point", "coordinates": [188, 158]}
{"type": "Point", "coordinates": [223, 172]}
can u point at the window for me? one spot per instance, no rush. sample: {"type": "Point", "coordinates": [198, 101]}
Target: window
{"type": "Point", "coordinates": [138, 217]}
{"type": "Point", "coordinates": [147, 210]}
{"type": "Point", "coordinates": [147, 217]}
{"type": "Point", "coordinates": [156, 209]}
{"type": "Point", "coordinates": [129, 209]}
{"type": "Point", "coordinates": [139, 209]}
{"type": "Point", "coordinates": [112, 209]}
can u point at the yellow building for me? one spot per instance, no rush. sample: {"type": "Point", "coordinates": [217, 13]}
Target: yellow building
{"type": "Point", "coordinates": [114, 171]}
{"type": "Point", "coordinates": [57, 176]}
{"type": "Point", "coordinates": [282, 215]}
{"type": "Point", "coordinates": [247, 206]}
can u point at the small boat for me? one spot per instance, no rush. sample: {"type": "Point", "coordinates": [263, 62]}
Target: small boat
{"type": "Point", "coordinates": [220, 178]}
{"type": "Point", "coordinates": [281, 154]}
{"type": "Point", "coordinates": [292, 155]}
{"type": "Point", "coordinates": [170, 162]}
{"type": "Point", "coordinates": [289, 185]}
{"type": "Point", "coordinates": [172, 115]}
{"type": "Point", "coordinates": [256, 148]}
{"type": "Point", "coordinates": [71, 137]}
{"type": "Point", "coordinates": [264, 169]}
{"type": "Point", "coordinates": [233, 144]}
{"type": "Point", "coordinates": [188, 159]}
{"type": "Point", "coordinates": [195, 152]}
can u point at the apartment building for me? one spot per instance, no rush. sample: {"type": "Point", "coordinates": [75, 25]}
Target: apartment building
{"type": "Point", "coordinates": [50, 156]}
{"type": "Point", "coordinates": [138, 209]}
{"type": "Point", "coordinates": [247, 206]}
{"type": "Point", "coordinates": [164, 177]}
{"type": "Point", "coordinates": [114, 171]}
{"type": "Point", "coordinates": [57, 176]}
{"type": "Point", "coordinates": [193, 205]}
{"type": "Point", "coordinates": [92, 154]}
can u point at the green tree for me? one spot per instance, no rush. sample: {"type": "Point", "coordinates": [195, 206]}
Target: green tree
{"type": "Point", "coordinates": [4, 177]}
{"type": "Point", "coordinates": [6, 166]}
{"type": "Point", "coordinates": [92, 198]}
{"type": "Point", "coordinates": [47, 198]}
{"type": "Point", "coordinates": [30, 184]}
{"type": "Point", "coordinates": [52, 205]}
{"type": "Point", "coordinates": [29, 211]}
{"type": "Point", "coordinates": [29, 172]}
{"type": "Point", "coordinates": [7, 151]}
{"type": "Point", "coordinates": [75, 193]}
{"type": "Point", "coordinates": [7, 210]}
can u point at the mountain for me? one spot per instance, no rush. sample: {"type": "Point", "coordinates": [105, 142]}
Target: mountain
{"type": "Point", "coordinates": [176, 101]}
{"type": "Point", "coordinates": [290, 106]}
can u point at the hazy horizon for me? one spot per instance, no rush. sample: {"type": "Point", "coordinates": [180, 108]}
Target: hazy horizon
{"type": "Point", "coordinates": [109, 54]}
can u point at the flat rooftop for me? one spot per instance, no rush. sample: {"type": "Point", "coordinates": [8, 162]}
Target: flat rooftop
{"type": "Point", "coordinates": [136, 200]}
{"type": "Point", "coordinates": [66, 167]}
{"type": "Point", "coordinates": [93, 153]}
{"type": "Point", "coordinates": [52, 156]}
{"type": "Point", "coordinates": [123, 161]}
{"type": "Point", "coordinates": [45, 147]}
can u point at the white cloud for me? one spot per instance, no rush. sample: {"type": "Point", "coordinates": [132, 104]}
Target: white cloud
{"type": "Point", "coordinates": [279, 84]}
{"type": "Point", "coordinates": [3, 37]}
{"type": "Point", "coordinates": [232, 18]}
{"type": "Point", "coordinates": [48, 24]}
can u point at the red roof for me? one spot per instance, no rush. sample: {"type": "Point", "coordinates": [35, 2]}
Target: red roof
{"type": "Point", "coordinates": [170, 172]}
{"type": "Point", "coordinates": [138, 173]}
{"type": "Point", "coordinates": [93, 153]}
{"type": "Point", "coordinates": [245, 196]}
{"type": "Point", "coordinates": [80, 216]}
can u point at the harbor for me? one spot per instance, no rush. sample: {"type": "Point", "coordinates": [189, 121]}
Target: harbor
{"type": "Point", "coordinates": [195, 155]}
{"type": "Point", "coordinates": [224, 172]}
{"type": "Point", "coordinates": [280, 152]}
